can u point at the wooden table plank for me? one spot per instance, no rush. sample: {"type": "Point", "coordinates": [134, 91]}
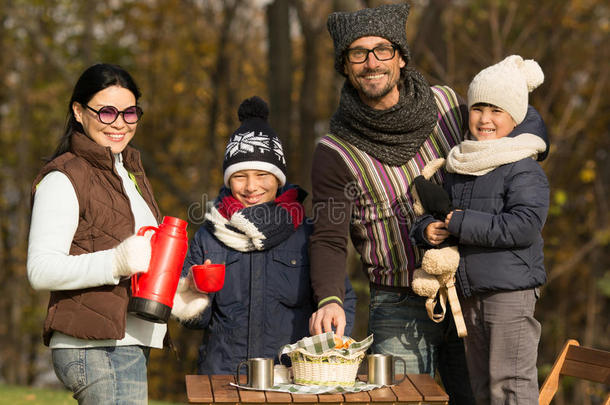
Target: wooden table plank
{"type": "Point", "coordinates": [250, 396]}
{"type": "Point", "coordinates": [428, 388]}
{"type": "Point", "coordinates": [199, 389]}
{"type": "Point", "coordinates": [406, 391]}
{"type": "Point", "coordinates": [330, 398]}
{"type": "Point", "coordinates": [382, 396]}
{"type": "Point", "coordinates": [305, 398]}
{"type": "Point", "coordinates": [361, 396]}
{"type": "Point", "coordinates": [222, 391]}
{"type": "Point", "coordinates": [278, 397]}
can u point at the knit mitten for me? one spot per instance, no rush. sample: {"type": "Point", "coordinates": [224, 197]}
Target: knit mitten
{"type": "Point", "coordinates": [131, 256]}
{"type": "Point", "coordinates": [188, 303]}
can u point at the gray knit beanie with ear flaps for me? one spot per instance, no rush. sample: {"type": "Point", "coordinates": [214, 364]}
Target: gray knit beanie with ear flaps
{"type": "Point", "coordinates": [506, 85]}
{"type": "Point", "coordinates": [388, 21]}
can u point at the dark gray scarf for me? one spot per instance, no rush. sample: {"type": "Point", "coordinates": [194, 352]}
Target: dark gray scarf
{"type": "Point", "coordinates": [392, 136]}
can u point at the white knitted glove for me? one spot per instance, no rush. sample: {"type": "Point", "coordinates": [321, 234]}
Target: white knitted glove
{"type": "Point", "coordinates": [131, 256]}
{"type": "Point", "coordinates": [188, 302]}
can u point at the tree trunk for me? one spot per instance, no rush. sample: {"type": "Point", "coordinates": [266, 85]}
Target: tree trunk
{"type": "Point", "coordinates": [429, 47]}
{"type": "Point", "coordinates": [280, 79]}
{"type": "Point", "coordinates": [219, 83]}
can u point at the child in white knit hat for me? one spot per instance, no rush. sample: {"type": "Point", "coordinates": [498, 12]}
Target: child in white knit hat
{"type": "Point", "coordinates": [500, 199]}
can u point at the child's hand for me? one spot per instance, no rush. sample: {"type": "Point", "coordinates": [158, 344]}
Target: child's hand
{"type": "Point", "coordinates": [448, 218]}
{"type": "Point", "coordinates": [436, 233]}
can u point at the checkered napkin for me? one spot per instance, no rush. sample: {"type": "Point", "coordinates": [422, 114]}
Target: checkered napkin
{"type": "Point", "coordinates": [321, 345]}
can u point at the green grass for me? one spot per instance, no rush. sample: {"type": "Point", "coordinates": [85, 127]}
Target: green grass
{"type": "Point", "coordinates": [18, 395]}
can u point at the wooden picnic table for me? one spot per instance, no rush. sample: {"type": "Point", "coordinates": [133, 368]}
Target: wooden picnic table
{"type": "Point", "coordinates": [215, 389]}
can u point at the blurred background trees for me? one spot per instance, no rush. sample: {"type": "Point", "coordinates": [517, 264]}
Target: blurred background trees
{"type": "Point", "coordinates": [196, 60]}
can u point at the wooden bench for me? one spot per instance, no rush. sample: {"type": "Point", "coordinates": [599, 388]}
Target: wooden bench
{"type": "Point", "coordinates": [215, 389]}
{"type": "Point", "coordinates": [580, 362]}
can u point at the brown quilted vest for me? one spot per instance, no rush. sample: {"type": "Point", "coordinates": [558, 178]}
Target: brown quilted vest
{"type": "Point", "coordinates": [105, 219]}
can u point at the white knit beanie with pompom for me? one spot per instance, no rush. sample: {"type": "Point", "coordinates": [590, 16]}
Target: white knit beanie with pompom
{"type": "Point", "coordinates": [506, 85]}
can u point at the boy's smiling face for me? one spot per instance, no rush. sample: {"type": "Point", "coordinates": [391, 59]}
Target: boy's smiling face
{"type": "Point", "coordinates": [252, 187]}
{"type": "Point", "coordinates": [487, 122]}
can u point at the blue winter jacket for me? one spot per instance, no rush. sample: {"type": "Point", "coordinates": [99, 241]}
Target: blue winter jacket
{"type": "Point", "coordinates": [265, 303]}
{"type": "Point", "coordinates": [499, 229]}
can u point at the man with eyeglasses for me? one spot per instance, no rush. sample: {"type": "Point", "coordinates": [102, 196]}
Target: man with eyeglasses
{"type": "Point", "coordinates": [388, 125]}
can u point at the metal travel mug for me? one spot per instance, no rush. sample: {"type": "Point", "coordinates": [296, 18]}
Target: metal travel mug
{"type": "Point", "coordinates": [381, 369]}
{"type": "Point", "coordinates": [260, 372]}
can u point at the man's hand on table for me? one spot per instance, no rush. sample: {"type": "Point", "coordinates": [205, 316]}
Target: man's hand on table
{"type": "Point", "coordinates": [325, 318]}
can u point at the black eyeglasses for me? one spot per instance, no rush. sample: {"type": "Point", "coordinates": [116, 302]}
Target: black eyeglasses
{"type": "Point", "coordinates": [108, 114]}
{"type": "Point", "coordinates": [381, 52]}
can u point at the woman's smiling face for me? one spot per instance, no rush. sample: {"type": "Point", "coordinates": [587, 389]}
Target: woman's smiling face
{"type": "Point", "coordinates": [116, 135]}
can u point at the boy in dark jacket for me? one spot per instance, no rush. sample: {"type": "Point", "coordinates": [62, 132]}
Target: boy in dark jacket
{"type": "Point", "coordinates": [257, 228]}
{"type": "Point", "coordinates": [500, 197]}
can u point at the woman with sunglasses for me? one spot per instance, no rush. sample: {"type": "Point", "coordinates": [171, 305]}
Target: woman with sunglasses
{"type": "Point", "coordinates": [88, 201]}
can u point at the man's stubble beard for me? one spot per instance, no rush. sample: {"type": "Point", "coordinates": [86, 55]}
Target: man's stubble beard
{"type": "Point", "coordinates": [373, 93]}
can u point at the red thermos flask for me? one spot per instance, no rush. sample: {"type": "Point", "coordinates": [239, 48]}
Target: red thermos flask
{"type": "Point", "coordinates": [152, 293]}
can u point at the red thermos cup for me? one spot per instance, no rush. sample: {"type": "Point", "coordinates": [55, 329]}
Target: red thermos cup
{"type": "Point", "coordinates": [152, 293]}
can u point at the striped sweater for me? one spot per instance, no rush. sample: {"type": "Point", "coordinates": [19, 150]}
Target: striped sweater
{"type": "Point", "coordinates": [356, 194]}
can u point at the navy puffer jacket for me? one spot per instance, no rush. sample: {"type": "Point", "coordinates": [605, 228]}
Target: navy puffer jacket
{"type": "Point", "coordinates": [239, 324]}
{"type": "Point", "coordinates": [499, 229]}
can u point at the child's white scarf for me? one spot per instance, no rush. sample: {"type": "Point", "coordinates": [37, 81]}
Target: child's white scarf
{"type": "Point", "coordinates": [477, 158]}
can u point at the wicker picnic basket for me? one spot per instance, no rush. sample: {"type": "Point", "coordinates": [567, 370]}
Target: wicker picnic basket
{"type": "Point", "coordinates": [331, 368]}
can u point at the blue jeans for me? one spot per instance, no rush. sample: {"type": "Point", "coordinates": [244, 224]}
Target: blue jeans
{"type": "Point", "coordinates": [104, 375]}
{"type": "Point", "coordinates": [401, 327]}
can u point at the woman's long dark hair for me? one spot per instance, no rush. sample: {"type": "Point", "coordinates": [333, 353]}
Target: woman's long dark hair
{"type": "Point", "coordinates": [94, 79]}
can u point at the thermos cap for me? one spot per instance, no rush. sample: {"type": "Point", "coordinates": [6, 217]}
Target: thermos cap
{"type": "Point", "coordinates": [173, 221]}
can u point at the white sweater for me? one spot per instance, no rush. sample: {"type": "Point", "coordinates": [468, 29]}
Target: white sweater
{"type": "Point", "coordinates": [50, 266]}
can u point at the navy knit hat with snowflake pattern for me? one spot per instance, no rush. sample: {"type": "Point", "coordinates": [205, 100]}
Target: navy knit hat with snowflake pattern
{"type": "Point", "coordinates": [254, 145]}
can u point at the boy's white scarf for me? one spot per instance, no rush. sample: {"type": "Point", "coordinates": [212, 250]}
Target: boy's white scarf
{"type": "Point", "coordinates": [477, 158]}
{"type": "Point", "coordinates": [237, 233]}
